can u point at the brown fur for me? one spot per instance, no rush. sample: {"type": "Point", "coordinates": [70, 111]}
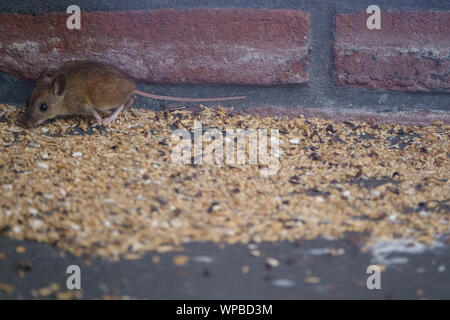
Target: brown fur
{"type": "Point", "coordinates": [102, 85]}
{"type": "Point", "coordinates": [78, 88]}
{"type": "Point", "coordinates": [86, 87]}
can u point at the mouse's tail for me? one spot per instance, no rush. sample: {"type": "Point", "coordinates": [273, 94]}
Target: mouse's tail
{"type": "Point", "coordinates": [158, 97]}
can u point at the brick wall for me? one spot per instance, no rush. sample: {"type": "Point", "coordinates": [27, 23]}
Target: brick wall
{"type": "Point", "coordinates": [226, 46]}
{"type": "Point", "coordinates": [411, 51]}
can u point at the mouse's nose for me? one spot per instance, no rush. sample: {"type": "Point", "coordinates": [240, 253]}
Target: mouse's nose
{"type": "Point", "coordinates": [29, 121]}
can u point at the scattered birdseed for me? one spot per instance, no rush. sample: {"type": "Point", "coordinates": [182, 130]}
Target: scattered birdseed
{"type": "Point", "coordinates": [69, 295]}
{"type": "Point", "coordinates": [42, 165]}
{"type": "Point", "coordinates": [393, 217]}
{"type": "Point", "coordinates": [203, 259]}
{"type": "Point", "coordinates": [272, 262]}
{"type": "Point", "coordinates": [337, 252]}
{"type": "Point", "coordinates": [46, 291]}
{"type": "Point", "coordinates": [437, 123]}
{"type": "Point", "coordinates": [23, 267]}
{"type": "Point", "coordinates": [312, 280]}
{"type": "Point", "coordinates": [255, 253]}
{"type": "Point", "coordinates": [36, 224]}
{"type": "Point", "coordinates": [346, 194]}
{"type": "Point", "coordinates": [180, 260]}
{"type": "Point", "coordinates": [7, 288]}
{"type": "Point", "coordinates": [327, 251]}
{"type": "Point", "coordinates": [245, 269]}
{"type": "Point", "coordinates": [283, 283]}
{"type": "Point", "coordinates": [7, 186]}
{"type": "Point", "coordinates": [156, 259]}
{"type": "Point", "coordinates": [127, 197]}
{"type": "Point", "coordinates": [21, 249]}
{"type": "Point", "coordinates": [382, 267]}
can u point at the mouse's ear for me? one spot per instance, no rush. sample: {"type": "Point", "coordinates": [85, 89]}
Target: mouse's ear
{"type": "Point", "coordinates": [46, 75]}
{"type": "Point", "coordinates": [59, 85]}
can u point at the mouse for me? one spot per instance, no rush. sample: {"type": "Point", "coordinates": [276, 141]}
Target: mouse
{"type": "Point", "coordinates": [87, 88]}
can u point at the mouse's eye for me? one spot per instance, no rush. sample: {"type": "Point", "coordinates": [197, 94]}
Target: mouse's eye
{"type": "Point", "coordinates": [43, 107]}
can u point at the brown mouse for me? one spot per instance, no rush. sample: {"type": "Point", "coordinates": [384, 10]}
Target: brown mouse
{"type": "Point", "coordinates": [84, 88]}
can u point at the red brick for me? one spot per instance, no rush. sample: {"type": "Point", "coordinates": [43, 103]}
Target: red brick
{"type": "Point", "coordinates": [229, 46]}
{"type": "Point", "coordinates": [410, 52]}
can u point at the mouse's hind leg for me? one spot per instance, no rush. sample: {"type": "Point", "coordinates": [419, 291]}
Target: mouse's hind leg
{"type": "Point", "coordinates": [130, 102]}
{"type": "Point", "coordinates": [122, 108]}
{"type": "Point", "coordinates": [102, 121]}
{"type": "Point", "coordinates": [113, 117]}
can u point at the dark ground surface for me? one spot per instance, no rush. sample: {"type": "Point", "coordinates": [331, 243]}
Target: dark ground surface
{"type": "Point", "coordinates": [341, 277]}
